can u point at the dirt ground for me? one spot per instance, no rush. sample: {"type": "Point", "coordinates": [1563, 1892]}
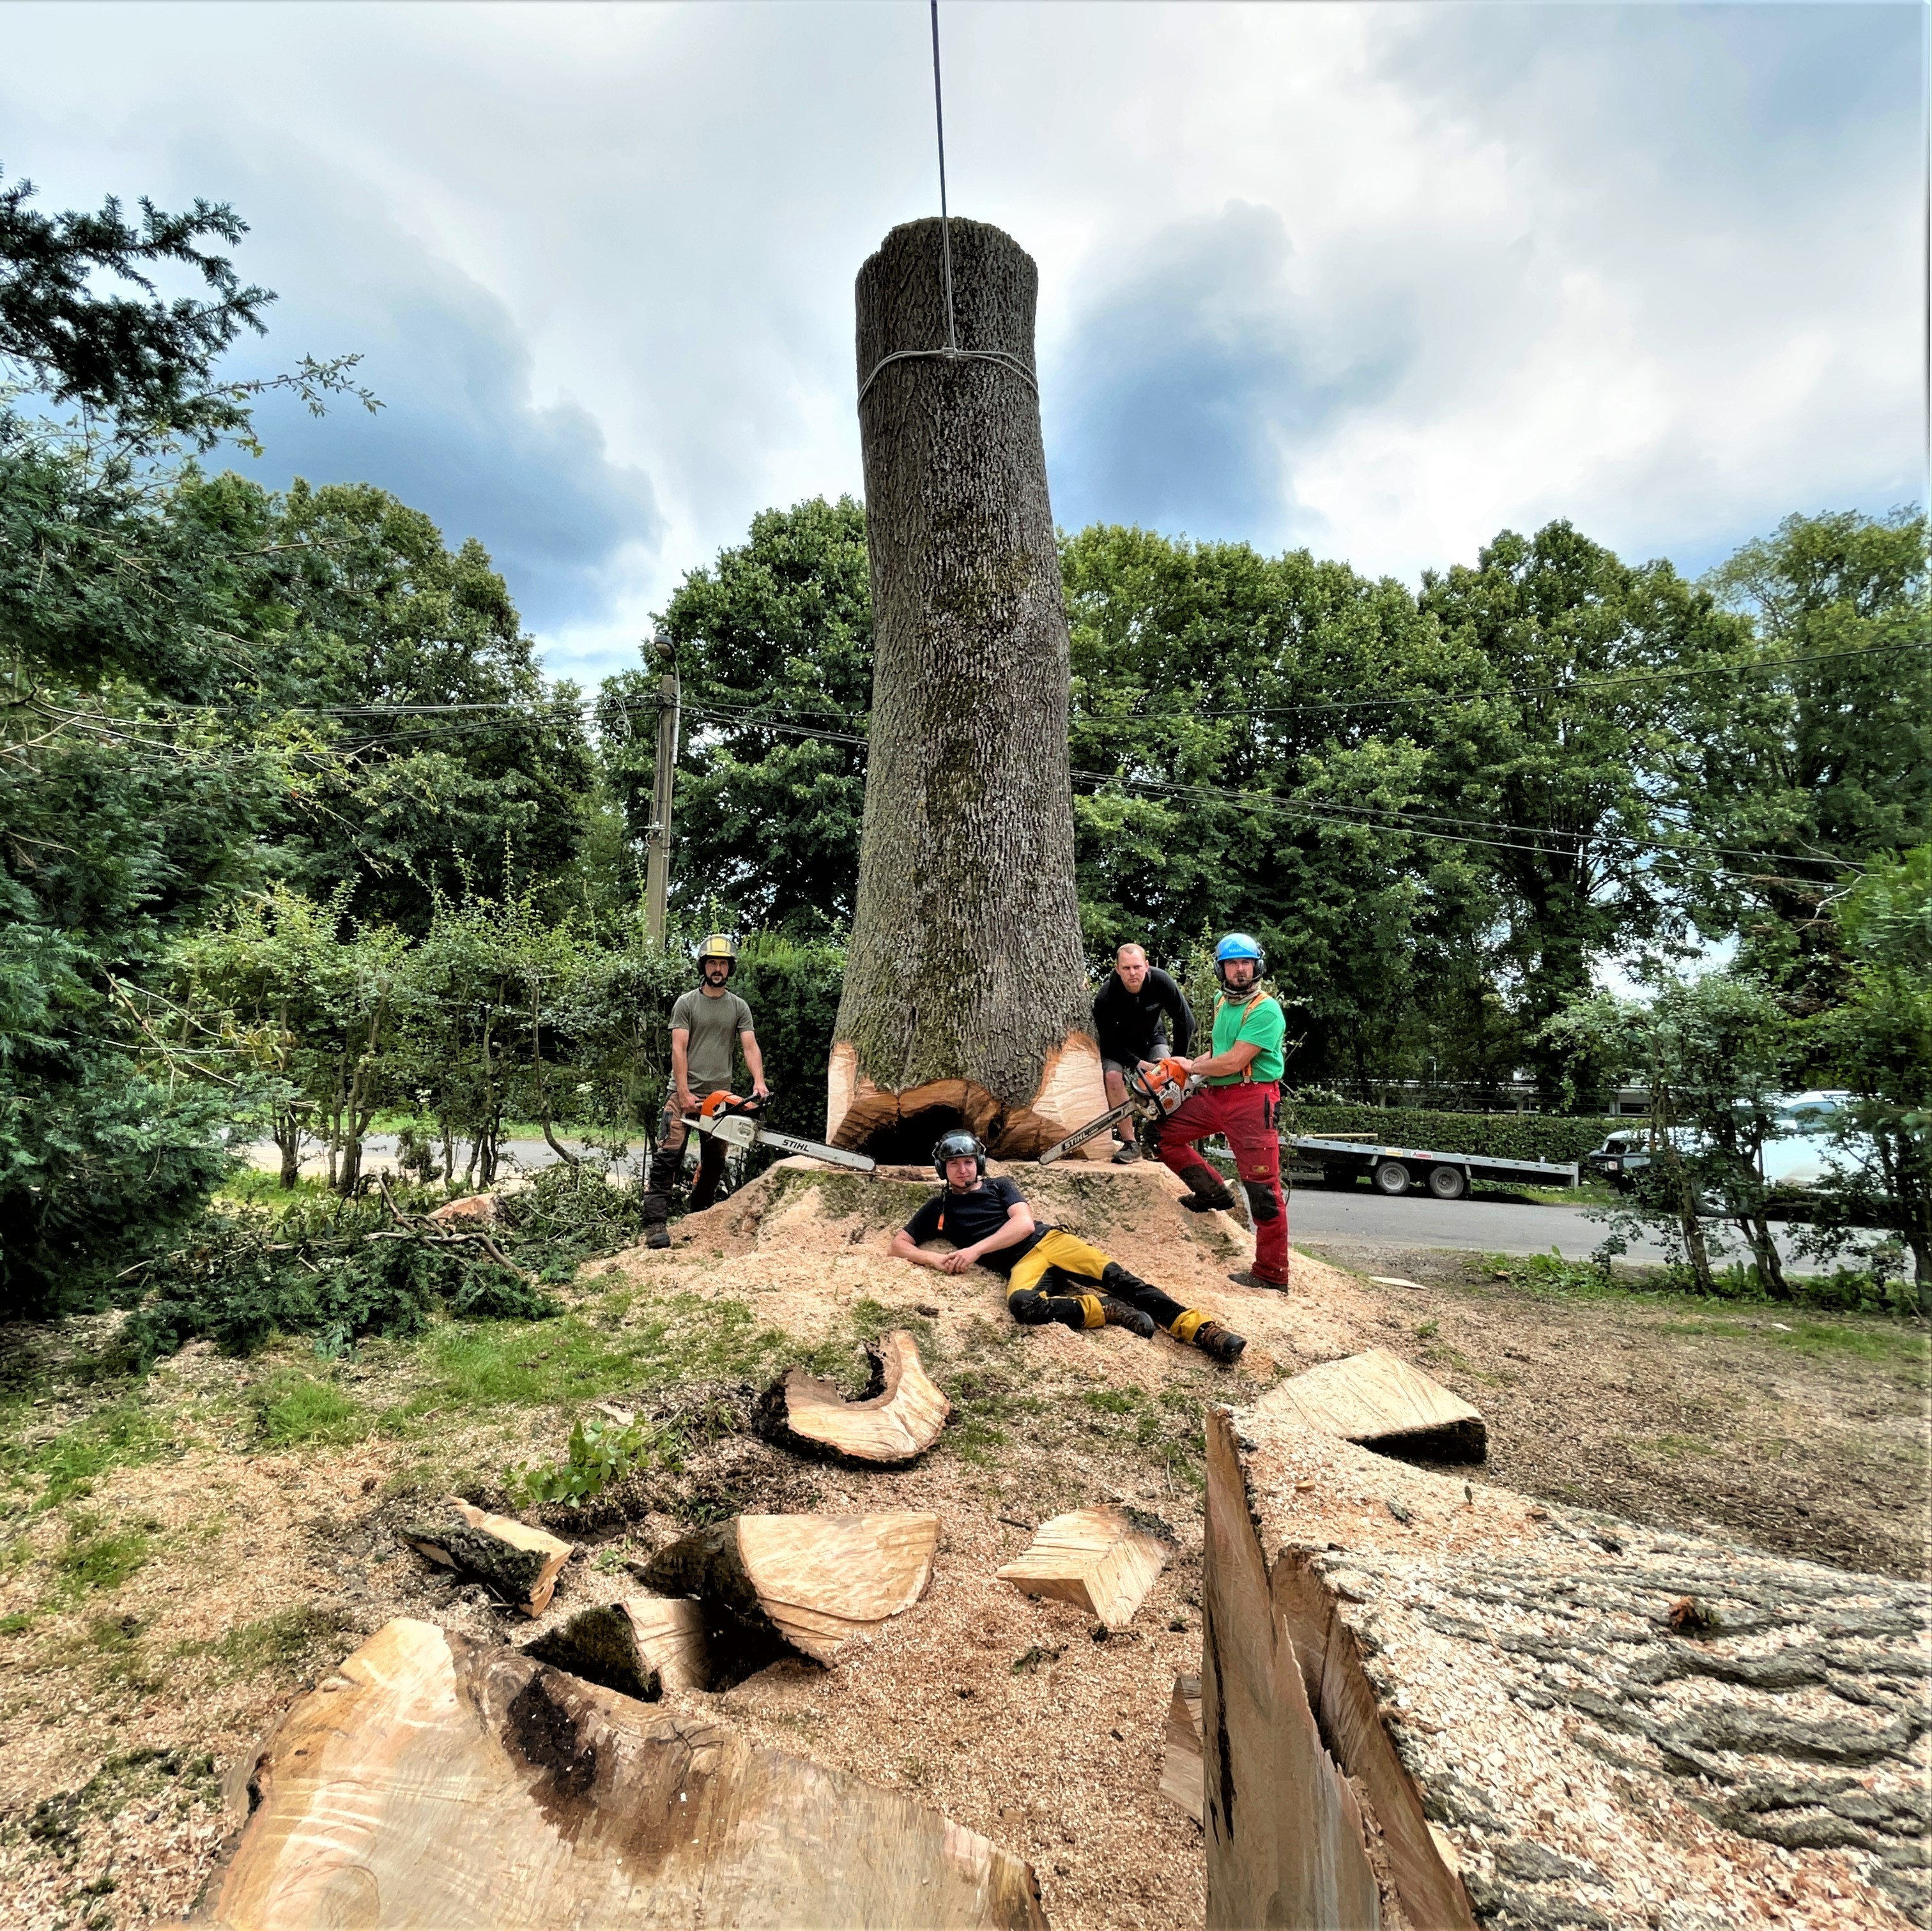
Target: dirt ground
{"type": "Point", "coordinates": [182, 1556]}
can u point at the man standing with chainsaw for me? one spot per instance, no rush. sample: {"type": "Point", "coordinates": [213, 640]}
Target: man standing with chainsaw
{"type": "Point", "coordinates": [1135, 1014]}
{"type": "Point", "coordinates": [705, 1024]}
{"type": "Point", "coordinates": [1240, 1099]}
{"type": "Point", "coordinates": [1050, 1275]}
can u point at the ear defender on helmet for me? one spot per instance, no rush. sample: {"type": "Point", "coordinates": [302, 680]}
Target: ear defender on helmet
{"type": "Point", "coordinates": [959, 1145]}
{"type": "Point", "coordinates": [719, 945]}
{"type": "Point", "coordinates": [1239, 945]}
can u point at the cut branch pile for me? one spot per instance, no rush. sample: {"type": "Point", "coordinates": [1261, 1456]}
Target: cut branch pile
{"type": "Point", "coordinates": [436, 1781]}
{"type": "Point", "coordinates": [640, 1646]}
{"type": "Point", "coordinates": [1102, 1561]}
{"type": "Point", "coordinates": [900, 1415]}
{"type": "Point", "coordinates": [812, 1583]}
{"type": "Point", "coordinates": [518, 1563]}
{"type": "Point", "coordinates": [1380, 1400]}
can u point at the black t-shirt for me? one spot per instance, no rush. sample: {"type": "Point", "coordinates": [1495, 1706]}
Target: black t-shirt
{"type": "Point", "coordinates": [965, 1217]}
{"type": "Point", "coordinates": [1128, 1022]}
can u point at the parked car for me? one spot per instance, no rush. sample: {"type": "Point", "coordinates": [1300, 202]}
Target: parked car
{"type": "Point", "coordinates": [1800, 1156]}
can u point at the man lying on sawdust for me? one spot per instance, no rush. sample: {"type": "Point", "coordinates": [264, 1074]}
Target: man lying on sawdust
{"type": "Point", "coordinates": [991, 1225]}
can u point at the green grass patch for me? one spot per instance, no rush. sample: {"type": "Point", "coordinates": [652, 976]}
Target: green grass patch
{"type": "Point", "coordinates": [292, 1409]}
{"type": "Point", "coordinates": [280, 1643]}
{"type": "Point", "coordinates": [1678, 1447]}
{"type": "Point", "coordinates": [65, 1469]}
{"type": "Point", "coordinates": [1899, 1345]}
{"type": "Point", "coordinates": [97, 1558]}
{"type": "Point", "coordinates": [1111, 1401]}
{"type": "Point", "coordinates": [257, 1186]}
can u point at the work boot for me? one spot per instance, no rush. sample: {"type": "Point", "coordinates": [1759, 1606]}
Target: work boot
{"type": "Point", "coordinates": [1248, 1278]}
{"type": "Point", "coordinates": [1221, 1344]}
{"type": "Point", "coordinates": [1125, 1153]}
{"type": "Point", "coordinates": [1208, 1191]}
{"type": "Point", "coordinates": [1119, 1315]}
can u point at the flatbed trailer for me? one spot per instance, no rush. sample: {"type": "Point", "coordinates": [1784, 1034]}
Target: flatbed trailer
{"type": "Point", "coordinates": [1396, 1170]}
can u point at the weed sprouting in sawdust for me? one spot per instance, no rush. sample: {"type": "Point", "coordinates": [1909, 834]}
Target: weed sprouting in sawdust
{"type": "Point", "coordinates": [292, 1410]}
{"type": "Point", "coordinates": [64, 1469]}
{"type": "Point", "coordinates": [280, 1644]}
{"type": "Point", "coordinates": [97, 1557]}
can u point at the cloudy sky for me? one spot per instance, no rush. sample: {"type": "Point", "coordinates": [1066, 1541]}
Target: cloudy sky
{"type": "Point", "coordinates": [1378, 279]}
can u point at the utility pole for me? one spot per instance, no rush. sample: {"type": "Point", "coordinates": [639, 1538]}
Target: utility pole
{"type": "Point", "coordinates": [657, 871]}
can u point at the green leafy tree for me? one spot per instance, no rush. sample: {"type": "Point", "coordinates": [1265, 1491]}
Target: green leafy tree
{"type": "Point", "coordinates": [1584, 661]}
{"type": "Point", "coordinates": [1822, 755]}
{"type": "Point", "coordinates": [766, 821]}
{"type": "Point", "coordinates": [1878, 1046]}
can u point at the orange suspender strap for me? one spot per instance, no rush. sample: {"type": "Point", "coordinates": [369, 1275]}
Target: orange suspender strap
{"type": "Point", "coordinates": [1254, 999]}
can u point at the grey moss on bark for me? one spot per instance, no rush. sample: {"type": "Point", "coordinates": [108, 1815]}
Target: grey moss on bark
{"type": "Point", "coordinates": [965, 960]}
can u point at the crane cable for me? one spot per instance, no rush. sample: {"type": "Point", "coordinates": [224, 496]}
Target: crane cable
{"type": "Point", "coordinates": [951, 353]}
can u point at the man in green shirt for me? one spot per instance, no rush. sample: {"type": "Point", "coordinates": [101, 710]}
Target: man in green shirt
{"type": "Point", "coordinates": [1239, 1100]}
{"type": "Point", "coordinates": [705, 1024]}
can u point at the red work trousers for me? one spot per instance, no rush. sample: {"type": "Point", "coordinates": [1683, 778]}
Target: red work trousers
{"type": "Point", "coordinates": [1245, 1114]}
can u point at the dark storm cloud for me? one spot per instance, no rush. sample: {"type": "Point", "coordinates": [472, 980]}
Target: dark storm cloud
{"type": "Point", "coordinates": [461, 435]}
{"type": "Point", "coordinates": [1176, 399]}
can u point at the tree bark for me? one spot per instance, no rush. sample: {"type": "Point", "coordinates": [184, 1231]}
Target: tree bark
{"type": "Point", "coordinates": [965, 988]}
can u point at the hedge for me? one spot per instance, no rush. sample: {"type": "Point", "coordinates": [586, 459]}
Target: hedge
{"type": "Point", "coordinates": [1503, 1136]}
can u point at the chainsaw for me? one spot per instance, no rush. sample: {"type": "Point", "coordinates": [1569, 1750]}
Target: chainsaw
{"type": "Point", "coordinates": [1151, 1091]}
{"type": "Point", "coordinates": [735, 1123]}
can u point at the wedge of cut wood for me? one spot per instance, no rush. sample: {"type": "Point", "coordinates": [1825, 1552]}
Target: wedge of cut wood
{"type": "Point", "coordinates": [1102, 1561]}
{"type": "Point", "coordinates": [814, 1582]}
{"type": "Point", "coordinates": [435, 1781]}
{"type": "Point", "coordinates": [900, 1415]}
{"type": "Point", "coordinates": [1378, 1399]}
{"type": "Point", "coordinates": [1180, 1767]}
{"type": "Point", "coordinates": [519, 1563]}
{"type": "Point", "coordinates": [639, 1645]}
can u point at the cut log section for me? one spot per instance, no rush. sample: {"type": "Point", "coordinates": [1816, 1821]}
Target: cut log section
{"type": "Point", "coordinates": [518, 1562]}
{"type": "Point", "coordinates": [900, 1415]}
{"type": "Point", "coordinates": [1381, 1401]}
{"type": "Point", "coordinates": [815, 1583]}
{"type": "Point", "coordinates": [1102, 1561]}
{"type": "Point", "coordinates": [1180, 1768]}
{"type": "Point", "coordinates": [436, 1781]}
{"type": "Point", "coordinates": [1514, 1701]}
{"type": "Point", "coordinates": [640, 1646]}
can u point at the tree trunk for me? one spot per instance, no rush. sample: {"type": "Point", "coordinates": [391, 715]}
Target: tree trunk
{"type": "Point", "coordinates": [965, 994]}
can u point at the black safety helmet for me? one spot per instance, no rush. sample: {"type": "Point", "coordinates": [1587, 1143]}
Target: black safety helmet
{"type": "Point", "coordinates": [959, 1145]}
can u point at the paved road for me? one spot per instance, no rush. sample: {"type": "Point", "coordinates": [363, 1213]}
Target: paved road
{"type": "Point", "coordinates": [1322, 1217]}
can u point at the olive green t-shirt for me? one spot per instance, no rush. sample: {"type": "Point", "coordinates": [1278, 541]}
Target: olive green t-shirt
{"type": "Point", "coordinates": [714, 1025]}
{"type": "Point", "coordinates": [1264, 1022]}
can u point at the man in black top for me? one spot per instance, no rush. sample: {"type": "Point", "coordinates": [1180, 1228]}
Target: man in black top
{"type": "Point", "coordinates": [1136, 1013]}
{"type": "Point", "coordinates": [991, 1225]}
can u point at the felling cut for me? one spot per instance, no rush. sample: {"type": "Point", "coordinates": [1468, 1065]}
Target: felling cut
{"type": "Point", "coordinates": [641, 1646]}
{"type": "Point", "coordinates": [1102, 1560]}
{"type": "Point", "coordinates": [437, 1782]}
{"type": "Point", "coordinates": [900, 1415]}
{"type": "Point", "coordinates": [811, 1583]}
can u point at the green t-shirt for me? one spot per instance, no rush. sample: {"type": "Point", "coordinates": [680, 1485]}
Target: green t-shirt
{"type": "Point", "coordinates": [1264, 1022]}
{"type": "Point", "coordinates": [714, 1025]}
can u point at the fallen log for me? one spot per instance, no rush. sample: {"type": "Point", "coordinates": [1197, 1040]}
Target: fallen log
{"type": "Point", "coordinates": [899, 1416]}
{"type": "Point", "coordinates": [640, 1646]}
{"type": "Point", "coordinates": [1180, 1766]}
{"type": "Point", "coordinates": [516, 1562]}
{"type": "Point", "coordinates": [1380, 1400]}
{"type": "Point", "coordinates": [433, 1780]}
{"type": "Point", "coordinates": [812, 1583]}
{"type": "Point", "coordinates": [1102, 1561]}
{"type": "Point", "coordinates": [1427, 1702]}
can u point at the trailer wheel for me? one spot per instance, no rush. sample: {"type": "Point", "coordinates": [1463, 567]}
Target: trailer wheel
{"type": "Point", "coordinates": [1391, 1177]}
{"type": "Point", "coordinates": [1448, 1183]}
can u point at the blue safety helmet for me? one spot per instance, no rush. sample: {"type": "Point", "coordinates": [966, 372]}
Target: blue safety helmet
{"type": "Point", "coordinates": [959, 1145]}
{"type": "Point", "coordinates": [1239, 945]}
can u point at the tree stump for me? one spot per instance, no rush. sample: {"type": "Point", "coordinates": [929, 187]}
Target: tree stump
{"type": "Point", "coordinates": [900, 1415]}
{"type": "Point", "coordinates": [1380, 1400]}
{"type": "Point", "coordinates": [435, 1781]}
{"type": "Point", "coordinates": [1102, 1560]}
{"type": "Point", "coordinates": [965, 993]}
{"type": "Point", "coordinates": [811, 1583]}
{"type": "Point", "coordinates": [1464, 1707]}
{"type": "Point", "coordinates": [518, 1563]}
{"type": "Point", "coordinates": [640, 1646]}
